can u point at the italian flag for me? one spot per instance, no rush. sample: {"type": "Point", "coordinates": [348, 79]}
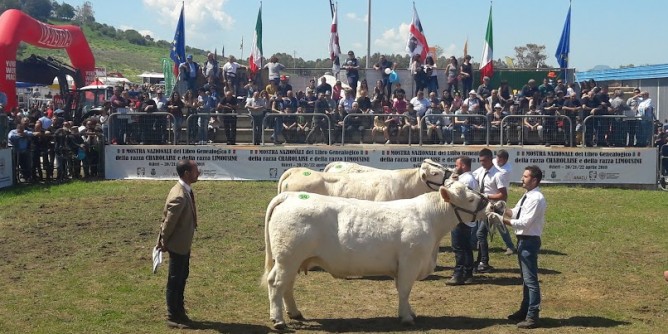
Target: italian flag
{"type": "Point", "coordinates": [487, 62]}
{"type": "Point", "coordinates": [255, 59]}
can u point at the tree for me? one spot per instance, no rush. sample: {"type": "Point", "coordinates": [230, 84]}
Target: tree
{"type": "Point", "coordinates": [134, 37]}
{"type": "Point", "coordinates": [85, 13]}
{"type": "Point", "coordinates": [65, 12]}
{"type": "Point", "coordinates": [530, 56]}
{"type": "Point", "coordinates": [9, 4]}
{"type": "Point", "coordinates": [38, 9]}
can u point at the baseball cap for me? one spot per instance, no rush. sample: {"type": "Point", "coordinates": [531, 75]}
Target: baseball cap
{"type": "Point", "coordinates": [498, 105]}
{"type": "Point", "coordinates": [283, 77]}
{"type": "Point", "coordinates": [472, 91]}
{"type": "Point", "coordinates": [189, 57]}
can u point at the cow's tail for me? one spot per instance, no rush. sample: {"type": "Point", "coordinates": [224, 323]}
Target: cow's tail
{"type": "Point", "coordinates": [268, 257]}
{"type": "Point", "coordinates": [284, 176]}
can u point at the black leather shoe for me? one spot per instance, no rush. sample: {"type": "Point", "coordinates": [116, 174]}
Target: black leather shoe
{"type": "Point", "coordinates": [484, 268]}
{"type": "Point", "coordinates": [517, 316]}
{"type": "Point", "coordinates": [528, 323]}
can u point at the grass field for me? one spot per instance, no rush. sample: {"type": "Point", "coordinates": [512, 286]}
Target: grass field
{"type": "Point", "coordinates": [76, 259]}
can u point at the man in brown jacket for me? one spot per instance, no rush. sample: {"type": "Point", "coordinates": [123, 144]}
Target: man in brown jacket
{"type": "Point", "coordinates": [176, 236]}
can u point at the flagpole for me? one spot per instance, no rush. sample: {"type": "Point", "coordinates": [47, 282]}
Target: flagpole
{"type": "Point", "coordinates": [368, 36]}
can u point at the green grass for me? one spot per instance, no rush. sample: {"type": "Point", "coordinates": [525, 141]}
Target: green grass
{"type": "Point", "coordinates": [76, 259]}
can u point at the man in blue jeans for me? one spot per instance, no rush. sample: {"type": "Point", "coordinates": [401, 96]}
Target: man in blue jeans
{"type": "Point", "coordinates": [528, 220]}
{"type": "Point", "coordinates": [492, 186]}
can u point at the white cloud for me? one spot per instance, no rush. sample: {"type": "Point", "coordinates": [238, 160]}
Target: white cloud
{"type": "Point", "coordinates": [143, 32]}
{"type": "Point", "coordinates": [393, 40]}
{"type": "Point", "coordinates": [355, 17]}
{"type": "Point", "coordinates": [202, 17]}
{"type": "Point", "coordinates": [358, 45]}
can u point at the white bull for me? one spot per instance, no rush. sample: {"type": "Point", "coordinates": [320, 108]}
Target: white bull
{"type": "Point", "coordinates": [379, 185]}
{"type": "Point", "coordinates": [347, 167]}
{"type": "Point", "coordinates": [350, 237]}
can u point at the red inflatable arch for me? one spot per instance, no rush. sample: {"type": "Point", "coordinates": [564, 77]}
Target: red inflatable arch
{"type": "Point", "coordinates": [16, 27]}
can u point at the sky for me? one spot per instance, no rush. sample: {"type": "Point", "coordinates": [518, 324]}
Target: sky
{"type": "Point", "coordinates": [603, 32]}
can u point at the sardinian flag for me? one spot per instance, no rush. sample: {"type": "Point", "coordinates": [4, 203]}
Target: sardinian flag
{"type": "Point", "coordinates": [417, 42]}
{"type": "Point", "coordinates": [334, 48]}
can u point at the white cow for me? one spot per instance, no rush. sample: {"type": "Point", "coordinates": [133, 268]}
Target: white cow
{"type": "Point", "coordinates": [350, 237]}
{"type": "Point", "coordinates": [347, 167]}
{"type": "Point", "coordinates": [379, 185]}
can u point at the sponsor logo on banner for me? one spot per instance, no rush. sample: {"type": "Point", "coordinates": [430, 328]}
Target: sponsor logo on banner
{"type": "Point", "coordinates": [54, 37]}
{"type": "Point", "coordinates": [10, 73]}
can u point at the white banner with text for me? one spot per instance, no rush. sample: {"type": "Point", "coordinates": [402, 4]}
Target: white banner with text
{"type": "Point", "coordinates": [6, 168]}
{"type": "Point", "coordinates": [560, 165]}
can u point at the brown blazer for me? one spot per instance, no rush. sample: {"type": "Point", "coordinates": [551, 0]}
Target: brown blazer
{"type": "Point", "coordinates": [179, 221]}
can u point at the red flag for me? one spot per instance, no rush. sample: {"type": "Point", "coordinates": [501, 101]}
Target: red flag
{"type": "Point", "coordinates": [417, 42]}
{"type": "Point", "coordinates": [334, 48]}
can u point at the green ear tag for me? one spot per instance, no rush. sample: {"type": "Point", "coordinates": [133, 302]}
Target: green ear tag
{"type": "Point", "coordinates": [306, 173]}
{"type": "Point", "coordinates": [303, 196]}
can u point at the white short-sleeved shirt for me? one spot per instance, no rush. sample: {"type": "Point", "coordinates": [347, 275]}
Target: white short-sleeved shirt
{"type": "Point", "coordinates": [468, 179]}
{"type": "Point", "coordinates": [492, 181]}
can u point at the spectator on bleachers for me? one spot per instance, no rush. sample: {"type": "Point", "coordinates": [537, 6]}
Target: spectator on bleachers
{"type": "Point", "coordinates": [319, 123]}
{"type": "Point", "coordinates": [385, 67]}
{"type": "Point", "coordinates": [289, 125]}
{"type": "Point", "coordinates": [363, 100]}
{"type": "Point", "coordinates": [397, 90]}
{"type": "Point", "coordinates": [619, 129]}
{"type": "Point", "coordinates": [527, 95]}
{"type": "Point", "coordinates": [228, 105]}
{"type": "Point", "coordinates": [119, 105]}
{"type": "Point", "coordinates": [309, 101]}
{"type": "Point", "coordinates": [647, 117]}
{"type": "Point", "coordinates": [452, 75]}
{"type": "Point", "coordinates": [378, 95]}
{"type": "Point", "coordinates": [492, 100]}
{"type": "Point", "coordinates": [513, 126]}
{"type": "Point", "coordinates": [191, 71]}
{"type": "Point", "coordinates": [257, 107]}
{"type": "Point", "coordinates": [190, 107]}
{"type": "Point", "coordinates": [411, 124]}
{"type": "Point", "coordinates": [363, 86]}
{"type": "Point", "coordinates": [434, 124]}
{"type": "Point", "coordinates": [466, 74]}
{"type": "Point", "coordinates": [91, 135]}
{"type": "Point", "coordinates": [337, 92]}
{"type": "Point", "coordinates": [284, 85]}
{"type": "Point", "coordinates": [392, 123]}
{"type": "Point", "coordinates": [230, 74]}
{"type": "Point", "coordinates": [41, 164]}
{"type": "Point", "coordinates": [277, 108]}
{"type": "Point", "coordinates": [549, 108]}
{"type": "Point", "coordinates": [431, 72]}
{"type": "Point", "coordinates": [274, 68]}
{"type": "Point", "coordinates": [302, 126]}
{"type": "Point", "coordinates": [174, 106]}
{"type": "Point", "coordinates": [347, 101]}
{"type": "Point", "coordinates": [633, 124]}
{"type": "Point", "coordinates": [495, 117]}
{"type": "Point", "coordinates": [485, 89]}
{"type": "Point", "coordinates": [505, 93]}
{"type": "Point", "coordinates": [571, 109]}
{"type": "Point", "coordinates": [337, 121]}
{"type": "Point", "coordinates": [546, 88]}
{"type": "Point", "coordinates": [463, 124]}
{"type": "Point", "coordinates": [532, 124]}
{"type": "Point", "coordinates": [420, 103]}
{"type": "Point", "coordinates": [323, 87]}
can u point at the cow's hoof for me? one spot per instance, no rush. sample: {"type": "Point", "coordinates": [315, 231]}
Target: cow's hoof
{"type": "Point", "coordinates": [297, 316]}
{"type": "Point", "coordinates": [279, 325]}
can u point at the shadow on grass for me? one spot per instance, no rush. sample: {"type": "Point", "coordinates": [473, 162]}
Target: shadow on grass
{"type": "Point", "coordinates": [445, 249]}
{"type": "Point", "coordinates": [230, 327]}
{"type": "Point", "coordinates": [542, 271]}
{"type": "Point", "coordinates": [583, 321]}
{"type": "Point", "coordinates": [388, 324]}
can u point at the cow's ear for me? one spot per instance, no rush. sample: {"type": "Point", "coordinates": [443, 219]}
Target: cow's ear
{"type": "Point", "coordinates": [445, 194]}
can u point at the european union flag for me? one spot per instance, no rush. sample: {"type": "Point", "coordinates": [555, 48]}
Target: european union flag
{"type": "Point", "coordinates": [564, 43]}
{"type": "Point", "coordinates": [178, 51]}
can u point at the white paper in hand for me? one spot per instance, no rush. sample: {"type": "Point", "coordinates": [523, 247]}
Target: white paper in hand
{"type": "Point", "coordinates": [157, 259]}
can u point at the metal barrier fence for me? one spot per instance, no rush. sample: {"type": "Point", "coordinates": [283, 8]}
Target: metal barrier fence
{"type": "Point", "coordinates": [201, 127]}
{"type": "Point", "coordinates": [468, 129]}
{"type": "Point", "coordinates": [362, 127]}
{"type": "Point", "coordinates": [317, 127]}
{"type": "Point", "coordinates": [156, 128]}
{"type": "Point", "coordinates": [615, 130]}
{"type": "Point", "coordinates": [548, 132]}
{"type": "Point", "coordinates": [59, 157]}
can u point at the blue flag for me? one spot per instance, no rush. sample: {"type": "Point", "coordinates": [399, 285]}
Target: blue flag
{"type": "Point", "coordinates": [178, 51]}
{"type": "Point", "coordinates": [564, 43]}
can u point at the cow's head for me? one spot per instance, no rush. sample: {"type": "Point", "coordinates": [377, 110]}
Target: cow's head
{"type": "Point", "coordinates": [434, 174]}
{"type": "Point", "coordinates": [472, 203]}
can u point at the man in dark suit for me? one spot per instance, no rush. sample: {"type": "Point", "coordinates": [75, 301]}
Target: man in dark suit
{"type": "Point", "coordinates": [176, 236]}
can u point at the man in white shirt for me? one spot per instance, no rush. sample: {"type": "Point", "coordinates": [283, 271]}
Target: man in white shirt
{"type": "Point", "coordinates": [420, 104]}
{"type": "Point", "coordinates": [646, 114]}
{"type": "Point", "coordinates": [505, 167]}
{"type": "Point", "coordinates": [492, 186]}
{"type": "Point", "coordinates": [230, 74]}
{"type": "Point", "coordinates": [461, 234]}
{"type": "Point", "coordinates": [528, 220]}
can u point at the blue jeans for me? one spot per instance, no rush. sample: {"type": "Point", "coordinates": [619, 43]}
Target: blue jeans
{"type": "Point", "coordinates": [507, 239]}
{"type": "Point", "coordinates": [483, 246]}
{"type": "Point", "coordinates": [179, 269]}
{"type": "Point", "coordinates": [461, 246]}
{"type": "Point", "coordinates": [527, 255]}
{"type": "Point", "coordinates": [466, 131]}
